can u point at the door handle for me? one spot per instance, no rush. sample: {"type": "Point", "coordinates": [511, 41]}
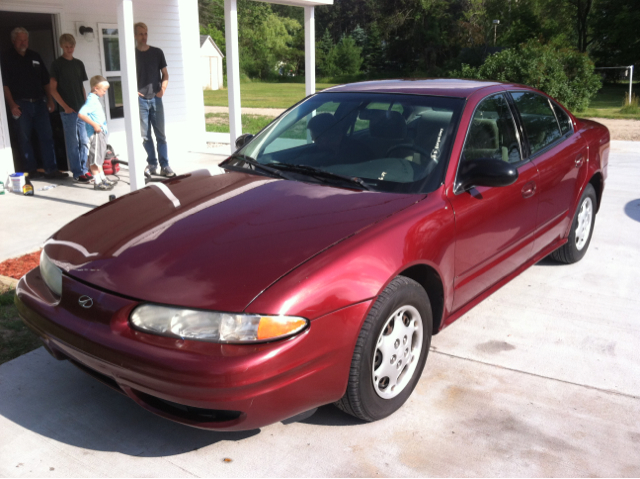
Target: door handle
{"type": "Point", "coordinates": [529, 189]}
{"type": "Point", "coordinates": [579, 161]}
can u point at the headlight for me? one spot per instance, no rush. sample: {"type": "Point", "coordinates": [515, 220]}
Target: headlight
{"type": "Point", "coordinates": [51, 274]}
{"type": "Point", "coordinates": [212, 326]}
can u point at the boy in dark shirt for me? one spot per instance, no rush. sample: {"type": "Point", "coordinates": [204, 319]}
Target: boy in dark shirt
{"type": "Point", "coordinates": [153, 78]}
{"type": "Point", "coordinates": [67, 75]}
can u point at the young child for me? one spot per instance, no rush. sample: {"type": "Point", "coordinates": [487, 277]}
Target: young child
{"type": "Point", "coordinates": [67, 75]}
{"type": "Point", "coordinates": [96, 123]}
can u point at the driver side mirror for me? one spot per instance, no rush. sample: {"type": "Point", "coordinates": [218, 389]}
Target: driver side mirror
{"type": "Point", "coordinates": [485, 172]}
{"type": "Point", "coordinates": [243, 140]}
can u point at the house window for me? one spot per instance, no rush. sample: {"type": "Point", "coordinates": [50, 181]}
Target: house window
{"type": "Point", "coordinates": [110, 57]}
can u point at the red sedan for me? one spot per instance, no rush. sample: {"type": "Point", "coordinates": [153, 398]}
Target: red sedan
{"type": "Point", "coordinates": [344, 235]}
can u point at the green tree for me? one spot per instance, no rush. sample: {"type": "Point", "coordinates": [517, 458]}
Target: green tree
{"type": "Point", "coordinates": [216, 35]}
{"type": "Point", "coordinates": [582, 9]}
{"type": "Point", "coordinates": [616, 32]}
{"type": "Point", "coordinates": [374, 51]}
{"type": "Point", "coordinates": [325, 55]}
{"type": "Point", "coordinates": [548, 21]}
{"type": "Point", "coordinates": [348, 58]}
{"type": "Point", "coordinates": [359, 36]}
{"type": "Point", "coordinates": [564, 74]}
{"type": "Point", "coordinates": [266, 44]}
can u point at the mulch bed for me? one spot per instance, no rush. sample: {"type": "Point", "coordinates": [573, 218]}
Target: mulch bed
{"type": "Point", "coordinates": [17, 267]}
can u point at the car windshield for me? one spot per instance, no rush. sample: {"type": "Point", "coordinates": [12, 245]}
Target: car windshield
{"type": "Point", "coordinates": [381, 142]}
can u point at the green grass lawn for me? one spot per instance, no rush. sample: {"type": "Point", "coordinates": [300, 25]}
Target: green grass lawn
{"type": "Point", "coordinates": [263, 95]}
{"type": "Point", "coordinates": [608, 102]}
{"type": "Point", "coordinates": [15, 338]}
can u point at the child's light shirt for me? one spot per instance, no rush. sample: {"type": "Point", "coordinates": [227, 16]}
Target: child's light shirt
{"type": "Point", "coordinates": [93, 109]}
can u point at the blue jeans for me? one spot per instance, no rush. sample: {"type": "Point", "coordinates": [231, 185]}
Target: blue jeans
{"type": "Point", "coordinates": [35, 116]}
{"type": "Point", "coordinates": [77, 141]}
{"type": "Point", "coordinates": [152, 115]}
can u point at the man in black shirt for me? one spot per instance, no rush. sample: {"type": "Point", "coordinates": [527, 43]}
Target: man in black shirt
{"type": "Point", "coordinates": [152, 83]}
{"type": "Point", "coordinates": [26, 91]}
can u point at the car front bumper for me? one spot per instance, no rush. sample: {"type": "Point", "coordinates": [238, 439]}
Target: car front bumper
{"type": "Point", "coordinates": [206, 385]}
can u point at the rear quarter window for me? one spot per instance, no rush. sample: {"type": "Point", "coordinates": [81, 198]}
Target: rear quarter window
{"type": "Point", "coordinates": [563, 119]}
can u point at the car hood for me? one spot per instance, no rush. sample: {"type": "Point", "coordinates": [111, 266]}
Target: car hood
{"type": "Point", "coordinates": [212, 242]}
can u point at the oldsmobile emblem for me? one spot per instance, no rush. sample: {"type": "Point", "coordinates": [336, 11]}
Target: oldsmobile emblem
{"type": "Point", "coordinates": [85, 301]}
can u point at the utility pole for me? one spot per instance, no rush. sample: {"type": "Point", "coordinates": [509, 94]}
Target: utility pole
{"type": "Point", "coordinates": [495, 31]}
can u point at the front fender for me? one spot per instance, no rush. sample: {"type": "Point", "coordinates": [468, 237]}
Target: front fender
{"type": "Point", "coordinates": [360, 267]}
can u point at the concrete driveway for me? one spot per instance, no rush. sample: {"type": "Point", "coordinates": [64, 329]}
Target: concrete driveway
{"type": "Point", "coordinates": [541, 379]}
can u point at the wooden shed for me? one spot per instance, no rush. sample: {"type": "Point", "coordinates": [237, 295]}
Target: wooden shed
{"type": "Point", "coordinates": [211, 64]}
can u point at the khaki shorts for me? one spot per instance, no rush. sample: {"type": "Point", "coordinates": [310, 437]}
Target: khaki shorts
{"type": "Point", "coordinates": [97, 148]}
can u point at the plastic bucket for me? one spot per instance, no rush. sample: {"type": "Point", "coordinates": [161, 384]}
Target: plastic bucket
{"type": "Point", "coordinates": [17, 182]}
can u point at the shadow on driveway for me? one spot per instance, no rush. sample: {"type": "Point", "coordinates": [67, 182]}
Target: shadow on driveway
{"type": "Point", "coordinates": [632, 209]}
{"type": "Point", "coordinates": [58, 401]}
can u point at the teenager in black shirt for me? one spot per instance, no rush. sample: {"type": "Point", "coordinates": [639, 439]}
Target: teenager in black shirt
{"type": "Point", "coordinates": [67, 77]}
{"type": "Point", "coordinates": [152, 83]}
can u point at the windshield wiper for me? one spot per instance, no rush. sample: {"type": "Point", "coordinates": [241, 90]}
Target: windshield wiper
{"type": "Point", "coordinates": [320, 174]}
{"type": "Point", "coordinates": [257, 166]}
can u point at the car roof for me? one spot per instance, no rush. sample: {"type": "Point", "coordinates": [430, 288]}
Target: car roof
{"type": "Point", "coordinates": [450, 87]}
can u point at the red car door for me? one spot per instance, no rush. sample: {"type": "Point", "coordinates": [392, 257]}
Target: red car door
{"type": "Point", "coordinates": [560, 154]}
{"type": "Point", "coordinates": [494, 225]}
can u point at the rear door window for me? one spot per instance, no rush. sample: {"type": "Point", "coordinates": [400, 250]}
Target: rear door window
{"type": "Point", "coordinates": [538, 118]}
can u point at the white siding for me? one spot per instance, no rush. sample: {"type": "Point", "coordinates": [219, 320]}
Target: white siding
{"type": "Point", "coordinates": [168, 31]}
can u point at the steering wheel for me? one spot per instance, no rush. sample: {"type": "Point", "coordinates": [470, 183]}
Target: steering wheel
{"type": "Point", "coordinates": [409, 146]}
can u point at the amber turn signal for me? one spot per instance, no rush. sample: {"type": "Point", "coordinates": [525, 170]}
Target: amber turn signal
{"type": "Point", "coordinates": [271, 327]}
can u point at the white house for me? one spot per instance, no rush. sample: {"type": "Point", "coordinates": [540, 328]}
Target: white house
{"type": "Point", "coordinates": [211, 63]}
{"type": "Point", "coordinates": [173, 27]}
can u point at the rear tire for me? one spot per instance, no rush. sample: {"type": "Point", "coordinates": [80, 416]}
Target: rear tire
{"type": "Point", "coordinates": [390, 353]}
{"type": "Point", "coordinates": [581, 230]}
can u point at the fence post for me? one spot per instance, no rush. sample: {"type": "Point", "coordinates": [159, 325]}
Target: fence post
{"type": "Point", "coordinates": [630, 82]}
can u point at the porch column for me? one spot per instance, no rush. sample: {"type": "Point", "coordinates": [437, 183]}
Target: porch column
{"type": "Point", "coordinates": [190, 52]}
{"type": "Point", "coordinates": [6, 155]}
{"type": "Point", "coordinates": [233, 69]}
{"type": "Point", "coordinates": [309, 50]}
{"type": "Point", "coordinates": [130, 92]}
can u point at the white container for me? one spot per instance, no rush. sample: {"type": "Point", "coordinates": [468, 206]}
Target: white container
{"type": "Point", "coordinates": [17, 182]}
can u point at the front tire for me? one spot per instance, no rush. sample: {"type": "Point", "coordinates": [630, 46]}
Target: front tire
{"type": "Point", "coordinates": [581, 230]}
{"type": "Point", "coordinates": [390, 353]}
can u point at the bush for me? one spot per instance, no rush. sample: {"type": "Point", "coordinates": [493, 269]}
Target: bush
{"type": "Point", "coordinates": [564, 74]}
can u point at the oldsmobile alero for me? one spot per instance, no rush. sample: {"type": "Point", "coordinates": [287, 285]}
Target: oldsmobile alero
{"type": "Point", "coordinates": [316, 269]}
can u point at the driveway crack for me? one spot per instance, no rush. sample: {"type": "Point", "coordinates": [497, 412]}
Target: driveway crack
{"type": "Point", "coordinates": [608, 391]}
